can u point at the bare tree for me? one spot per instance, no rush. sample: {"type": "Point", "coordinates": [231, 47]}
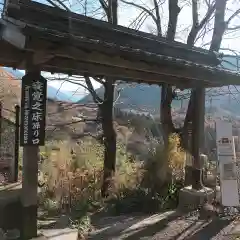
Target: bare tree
{"type": "Point", "coordinates": [215, 13]}
{"type": "Point", "coordinates": [107, 9]}
{"type": "Point", "coordinates": [105, 106]}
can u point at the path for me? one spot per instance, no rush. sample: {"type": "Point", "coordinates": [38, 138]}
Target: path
{"type": "Point", "coordinates": [166, 226]}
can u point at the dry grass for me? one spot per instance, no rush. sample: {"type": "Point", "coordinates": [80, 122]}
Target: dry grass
{"type": "Point", "coordinates": [73, 176]}
{"type": "Point", "coordinates": [73, 172]}
{"type": "Point", "coordinates": [164, 166]}
{"type": "Point", "coordinates": [176, 157]}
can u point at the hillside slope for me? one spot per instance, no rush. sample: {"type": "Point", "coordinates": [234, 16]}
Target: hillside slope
{"type": "Point", "coordinates": [52, 92]}
{"type": "Point", "coordinates": [141, 97]}
{"type": "Point", "coordinates": [10, 92]}
{"type": "Point", "coordinates": [64, 120]}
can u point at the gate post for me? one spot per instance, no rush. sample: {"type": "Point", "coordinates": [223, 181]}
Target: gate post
{"type": "Point", "coordinates": [29, 192]}
{"type": "Point", "coordinates": [198, 133]}
{"type": "Point", "coordinates": [0, 128]}
{"type": "Point", "coordinates": [16, 146]}
{"type": "Point", "coordinates": [32, 128]}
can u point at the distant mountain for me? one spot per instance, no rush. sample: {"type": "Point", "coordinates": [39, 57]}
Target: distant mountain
{"type": "Point", "coordinates": [231, 63]}
{"type": "Point", "coordinates": [142, 97]}
{"type": "Point", "coordinates": [52, 93]}
{"type": "Point", "coordinates": [147, 97]}
{"type": "Point", "coordinates": [16, 73]}
{"type": "Point", "coordinates": [74, 97]}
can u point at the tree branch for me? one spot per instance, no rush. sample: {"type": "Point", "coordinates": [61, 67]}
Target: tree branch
{"type": "Point", "coordinates": [233, 28]}
{"type": "Point", "coordinates": [99, 79]}
{"type": "Point", "coordinates": [105, 8]}
{"type": "Point", "coordinates": [137, 19]}
{"type": "Point", "coordinates": [174, 10]}
{"type": "Point", "coordinates": [196, 26]}
{"type": "Point", "coordinates": [96, 98]}
{"type": "Point", "coordinates": [195, 13]}
{"type": "Point", "coordinates": [233, 16]}
{"type": "Point", "coordinates": [142, 8]}
{"type": "Point", "coordinates": [189, 116]}
{"type": "Point", "coordinates": [166, 91]}
{"type": "Point", "coordinates": [158, 18]}
{"type": "Point", "coordinates": [219, 25]}
{"type": "Point", "coordinates": [207, 2]}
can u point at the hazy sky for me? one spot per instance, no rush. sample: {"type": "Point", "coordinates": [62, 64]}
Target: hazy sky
{"type": "Point", "coordinates": [127, 14]}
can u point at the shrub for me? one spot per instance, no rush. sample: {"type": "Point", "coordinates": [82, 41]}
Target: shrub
{"type": "Point", "coordinates": [73, 175]}
{"type": "Point", "coordinates": [74, 172]}
{"type": "Point", "coordinates": [164, 166]}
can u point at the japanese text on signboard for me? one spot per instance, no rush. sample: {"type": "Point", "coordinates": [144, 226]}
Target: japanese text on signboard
{"type": "Point", "coordinates": [33, 109]}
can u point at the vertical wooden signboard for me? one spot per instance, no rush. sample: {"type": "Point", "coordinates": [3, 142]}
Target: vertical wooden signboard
{"type": "Point", "coordinates": [33, 110]}
{"type": "Point", "coordinates": [32, 135]}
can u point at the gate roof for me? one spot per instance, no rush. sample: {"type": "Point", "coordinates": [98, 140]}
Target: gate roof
{"type": "Point", "coordinates": [63, 42]}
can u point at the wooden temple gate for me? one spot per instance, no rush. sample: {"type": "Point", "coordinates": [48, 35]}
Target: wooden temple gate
{"type": "Point", "coordinates": [36, 37]}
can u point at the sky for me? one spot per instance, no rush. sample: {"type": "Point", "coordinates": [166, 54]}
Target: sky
{"type": "Point", "coordinates": [126, 15]}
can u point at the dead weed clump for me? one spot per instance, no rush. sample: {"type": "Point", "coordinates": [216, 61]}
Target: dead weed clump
{"type": "Point", "coordinates": [73, 175]}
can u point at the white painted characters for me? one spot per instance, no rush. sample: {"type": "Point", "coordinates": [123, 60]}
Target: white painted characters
{"type": "Point", "coordinates": [37, 115]}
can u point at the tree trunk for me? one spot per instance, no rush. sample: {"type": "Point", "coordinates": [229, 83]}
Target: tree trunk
{"type": "Point", "coordinates": [166, 118]}
{"type": "Point", "coordinates": [109, 134]}
{"type": "Point", "coordinates": [166, 91]}
{"type": "Point", "coordinates": [106, 111]}
{"type": "Point", "coordinates": [166, 115]}
{"type": "Point", "coordinates": [219, 25]}
{"type": "Point", "coordinates": [197, 135]}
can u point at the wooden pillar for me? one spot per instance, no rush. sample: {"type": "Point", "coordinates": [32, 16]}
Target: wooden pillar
{"type": "Point", "coordinates": [29, 191]}
{"type": "Point", "coordinates": [16, 146]}
{"type": "Point", "coordinates": [1, 131]}
{"type": "Point", "coordinates": [189, 162]}
{"type": "Point", "coordinates": [32, 135]}
{"type": "Point", "coordinates": [198, 135]}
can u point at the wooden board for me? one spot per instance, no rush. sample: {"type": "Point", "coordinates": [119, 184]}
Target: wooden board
{"type": "Point", "coordinates": [47, 17]}
{"type": "Point", "coordinates": [63, 42]}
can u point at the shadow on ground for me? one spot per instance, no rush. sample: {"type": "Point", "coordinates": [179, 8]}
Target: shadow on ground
{"type": "Point", "coordinates": [211, 230]}
{"type": "Point", "coordinates": [129, 227]}
{"type": "Point", "coordinates": [54, 222]}
{"type": "Point", "coordinates": [170, 225]}
{"type": "Point", "coordinates": [165, 227]}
